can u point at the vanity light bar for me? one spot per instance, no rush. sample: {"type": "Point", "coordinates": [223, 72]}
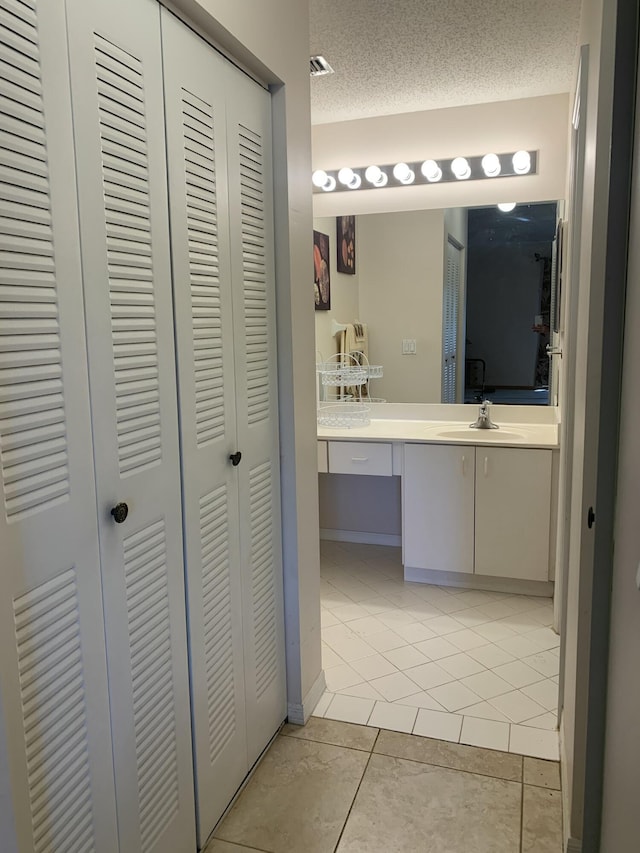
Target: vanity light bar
{"type": "Point", "coordinates": [485, 167]}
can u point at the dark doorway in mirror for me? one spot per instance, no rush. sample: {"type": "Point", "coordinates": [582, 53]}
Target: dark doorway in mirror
{"type": "Point", "coordinates": [508, 303]}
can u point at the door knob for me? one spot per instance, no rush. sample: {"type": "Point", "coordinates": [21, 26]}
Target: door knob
{"type": "Point", "coordinates": [235, 458]}
{"type": "Point", "coordinates": [120, 512]}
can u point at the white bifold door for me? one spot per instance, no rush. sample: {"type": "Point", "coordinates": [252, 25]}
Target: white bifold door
{"type": "Point", "coordinates": [118, 110]}
{"type": "Point", "coordinates": [57, 787]}
{"type": "Point", "coordinates": [220, 188]}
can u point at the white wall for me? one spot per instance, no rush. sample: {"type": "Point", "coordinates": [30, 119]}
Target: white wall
{"type": "Point", "coordinates": [344, 291]}
{"type": "Point", "coordinates": [272, 40]}
{"type": "Point", "coordinates": [351, 502]}
{"type": "Point", "coordinates": [531, 123]}
{"type": "Point", "coordinates": [620, 824]}
{"type": "Point", "coordinates": [400, 258]}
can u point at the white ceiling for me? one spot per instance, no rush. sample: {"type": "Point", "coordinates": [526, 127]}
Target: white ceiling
{"type": "Point", "coordinates": [394, 56]}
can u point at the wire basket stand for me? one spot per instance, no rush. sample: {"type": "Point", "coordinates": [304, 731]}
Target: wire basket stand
{"type": "Point", "coordinates": [344, 390]}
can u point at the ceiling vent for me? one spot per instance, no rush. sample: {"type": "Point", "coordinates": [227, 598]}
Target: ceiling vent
{"type": "Point", "coordinates": [319, 66]}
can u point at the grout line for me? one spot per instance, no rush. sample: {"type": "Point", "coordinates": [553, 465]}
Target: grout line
{"type": "Point", "coordinates": [328, 743]}
{"type": "Point", "coordinates": [346, 820]}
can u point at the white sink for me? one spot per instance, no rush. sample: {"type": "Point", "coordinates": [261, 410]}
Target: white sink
{"type": "Point", "coordinates": [479, 436]}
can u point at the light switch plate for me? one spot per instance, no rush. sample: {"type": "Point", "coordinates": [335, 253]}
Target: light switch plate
{"type": "Point", "coordinates": [408, 346]}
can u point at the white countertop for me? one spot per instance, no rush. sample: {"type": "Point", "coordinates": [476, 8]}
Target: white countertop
{"type": "Point", "coordinates": [543, 435]}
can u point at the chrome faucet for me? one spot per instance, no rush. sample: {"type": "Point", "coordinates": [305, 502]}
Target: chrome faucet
{"type": "Point", "coordinates": [483, 420]}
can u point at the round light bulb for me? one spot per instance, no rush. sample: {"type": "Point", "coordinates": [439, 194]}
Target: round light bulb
{"type": "Point", "coordinates": [330, 184]}
{"type": "Point", "coordinates": [491, 165]}
{"type": "Point", "coordinates": [402, 173]}
{"type": "Point", "coordinates": [431, 171]}
{"type": "Point", "coordinates": [521, 162]}
{"type": "Point", "coordinates": [507, 206]}
{"type": "Point", "coordinates": [319, 178]}
{"type": "Point", "coordinates": [461, 169]}
{"type": "Point", "coordinates": [376, 176]}
{"type": "Point", "coordinates": [349, 178]}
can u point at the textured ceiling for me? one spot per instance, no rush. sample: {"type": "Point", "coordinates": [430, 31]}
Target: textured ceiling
{"type": "Point", "coordinates": [394, 56]}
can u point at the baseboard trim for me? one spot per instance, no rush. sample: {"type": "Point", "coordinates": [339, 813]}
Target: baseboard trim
{"type": "Point", "coordinates": [362, 537]}
{"type": "Point", "coordinates": [472, 581]}
{"type": "Point", "coordinates": [298, 713]}
{"type": "Point", "coordinates": [574, 846]}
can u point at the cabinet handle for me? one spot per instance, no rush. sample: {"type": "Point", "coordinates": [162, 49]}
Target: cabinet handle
{"type": "Point", "coordinates": [359, 458]}
{"type": "Point", "coordinates": [486, 465]}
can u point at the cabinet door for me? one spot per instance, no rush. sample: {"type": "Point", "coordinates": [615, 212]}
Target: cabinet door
{"type": "Point", "coordinates": [196, 149]}
{"type": "Point", "coordinates": [253, 283]}
{"type": "Point", "coordinates": [117, 96]}
{"type": "Point", "coordinates": [438, 493]}
{"type": "Point", "coordinates": [55, 741]}
{"type": "Point", "coordinates": [513, 499]}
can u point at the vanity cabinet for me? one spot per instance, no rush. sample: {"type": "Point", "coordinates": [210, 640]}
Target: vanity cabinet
{"type": "Point", "coordinates": [482, 510]}
{"type": "Point", "coordinates": [438, 500]}
{"type": "Point", "coordinates": [512, 512]}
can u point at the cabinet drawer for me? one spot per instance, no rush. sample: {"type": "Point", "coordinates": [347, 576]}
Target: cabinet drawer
{"type": "Point", "coordinates": [323, 465]}
{"type": "Point", "coordinates": [360, 457]}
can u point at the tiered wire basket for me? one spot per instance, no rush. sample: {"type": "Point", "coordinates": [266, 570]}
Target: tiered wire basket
{"type": "Point", "coordinates": [344, 390]}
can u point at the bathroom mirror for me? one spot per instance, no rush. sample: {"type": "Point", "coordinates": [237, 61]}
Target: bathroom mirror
{"type": "Point", "coordinates": [457, 303]}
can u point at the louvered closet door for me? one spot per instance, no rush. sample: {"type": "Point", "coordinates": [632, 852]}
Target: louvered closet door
{"type": "Point", "coordinates": [251, 218]}
{"type": "Point", "coordinates": [59, 794]}
{"type": "Point", "coordinates": [119, 125]}
{"type": "Point", "coordinates": [196, 149]}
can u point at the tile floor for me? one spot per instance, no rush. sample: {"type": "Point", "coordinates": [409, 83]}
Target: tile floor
{"type": "Point", "coordinates": [334, 786]}
{"type": "Point", "coordinates": [478, 668]}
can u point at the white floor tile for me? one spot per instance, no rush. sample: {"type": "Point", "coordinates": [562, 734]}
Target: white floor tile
{"type": "Point", "coordinates": [327, 618]}
{"type": "Point", "coordinates": [471, 618]}
{"type": "Point", "coordinates": [416, 632]}
{"type": "Point", "coordinates": [487, 685]}
{"type": "Point", "coordinates": [429, 675]}
{"type": "Point", "coordinates": [545, 638]}
{"type": "Point", "coordinates": [466, 639]}
{"type": "Point", "coordinates": [535, 742]}
{"type": "Point", "coordinates": [393, 618]}
{"type": "Point", "coordinates": [375, 605]}
{"type": "Point", "coordinates": [519, 646]}
{"type": "Point", "coordinates": [362, 691]}
{"type": "Point", "coordinates": [348, 612]}
{"type": "Point", "coordinates": [323, 704]}
{"type": "Point", "coordinates": [390, 715]}
{"type": "Point", "coordinates": [437, 648]}
{"type": "Point", "coordinates": [485, 733]}
{"type": "Point", "coordinates": [374, 666]}
{"type": "Point", "coordinates": [329, 657]}
{"type": "Point", "coordinates": [547, 663]}
{"type": "Point", "coordinates": [485, 711]}
{"type": "Point", "coordinates": [545, 693]}
{"type": "Point", "coordinates": [490, 656]}
{"type": "Point", "coordinates": [438, 725]}
{"type": "Point", "coordinates": [516, 706]}
{"type": "Point", "coordinates": [443, 625]}
{"type": "Point", "coordinates": [386, 640]}
{"type": "Point", "coordinates": [334, 598]}
{"type": "Point", "coordinates": [496, 609]}
{"type": "Point", "coordinates": [351, 649]}
{"type": "Point", "coordinates": [422, 700]}
{"type": "Point", "coordinates": [460, 665]}
{"type": "Point", "coordinates": [343, 675]}
{"type": "Point", "coordinates": [367, 626]}
{"type": "Point", "coordinates": [547, 721]}
{"type": "Point", "coordinates": [454, 696]}
{"type": "Point", "coordinates": [395, 686]}
{"type": "Point", "coordinates": [518, 673]}
{"type": "Point", "coordinates": [422, 610]}
{"type": "Point", "coordinates": [405, 657]}
{"type": "Point", "coordinates": [494, 631]}
{"type": "Point", "coordinates": [349, 709]}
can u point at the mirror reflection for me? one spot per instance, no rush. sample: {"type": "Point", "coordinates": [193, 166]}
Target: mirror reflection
{"type": "Point", "coordinates": [457, 304]}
